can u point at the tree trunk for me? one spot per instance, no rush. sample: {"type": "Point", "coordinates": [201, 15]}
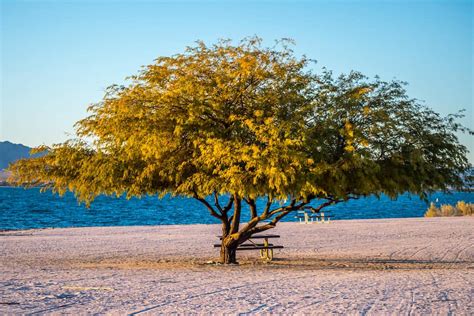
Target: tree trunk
{"type": "Point", "coordinates": [228, 245]}
{"type": "Point", "coordinates": [228, 254]}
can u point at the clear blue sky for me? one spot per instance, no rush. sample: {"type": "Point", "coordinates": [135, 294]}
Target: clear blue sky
{"type": "Point", "coordinates": [58, 56]}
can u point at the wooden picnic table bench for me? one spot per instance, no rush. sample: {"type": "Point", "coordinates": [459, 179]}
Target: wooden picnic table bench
{"type": "Point", "coordinates": [310, 217]}
{"type": "Point", "coordinates": [266, 248]}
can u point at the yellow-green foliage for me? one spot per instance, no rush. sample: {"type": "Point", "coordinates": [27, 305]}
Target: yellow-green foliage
{"type": "Point", "coordinates": [433, 211]}
{"type": "Point", "coordinates": [448, 210]}
{"type": "Point", "coordinates": [461, 209]}
{"type": "Point", "coordinates": [246, 120]}
{"type": "Point", "coordinates": [465, 208]}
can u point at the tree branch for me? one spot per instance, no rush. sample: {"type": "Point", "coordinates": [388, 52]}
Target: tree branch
{"type": "Point", "coordinates": [323, 205]}
{"type": "Point", "coordinates": [236, 217]}
{"type": "Point", "coordinates": [283, 211]}
{"type": "Point", "coordinates": [267, 206]}
{"type": "Point", "coordinates": [216, 202]}
{"type": "Point", "coordinates": [229, 204]}
{"type": "Point", "coordinates": [290, 207]}
{"type": "Point", "coordinates": [270, 225]}
{"type": "Point", "coordinates": [330, 201]}
{"type": "Point", "coordinates": [252, 206]}
{"type": "Point", "coordinates": [209, 207]}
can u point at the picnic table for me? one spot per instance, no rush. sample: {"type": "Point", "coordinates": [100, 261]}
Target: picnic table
{"type": "Point", "coordinates": [308, 217]}
{"type": "Point", "coordinates": [265, 247]}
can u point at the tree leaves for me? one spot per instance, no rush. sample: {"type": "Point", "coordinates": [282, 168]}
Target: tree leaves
{"type": "Point", "coordinates": [252, 121]}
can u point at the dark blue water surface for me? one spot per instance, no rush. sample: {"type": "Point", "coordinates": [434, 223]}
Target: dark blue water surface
{"type": "Point", "coordinates": [22, 209]}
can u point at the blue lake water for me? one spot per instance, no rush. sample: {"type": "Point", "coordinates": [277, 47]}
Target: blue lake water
{"type": "Point", "coordinates": [23, 209]}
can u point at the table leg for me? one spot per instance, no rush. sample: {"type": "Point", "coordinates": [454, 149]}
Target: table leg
{"type": "Point", "coordinates": [265, 251]}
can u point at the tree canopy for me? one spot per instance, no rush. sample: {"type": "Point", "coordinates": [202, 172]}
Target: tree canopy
{"type": "Point", "coordinates": [249, 121]}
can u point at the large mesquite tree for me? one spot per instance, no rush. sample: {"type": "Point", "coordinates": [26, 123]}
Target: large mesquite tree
{"type": "Point", "coordinates": [247, 122]}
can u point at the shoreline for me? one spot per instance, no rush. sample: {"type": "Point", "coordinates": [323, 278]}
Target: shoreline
{"type": "Point", "coordinates": [3, 230]}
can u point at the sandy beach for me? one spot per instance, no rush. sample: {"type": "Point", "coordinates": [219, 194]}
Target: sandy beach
{"type": "Point", "coordinates": [401, 266]}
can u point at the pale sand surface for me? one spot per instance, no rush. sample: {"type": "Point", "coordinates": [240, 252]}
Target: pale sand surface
{"type": "Point", "coordinates": [398, 266]}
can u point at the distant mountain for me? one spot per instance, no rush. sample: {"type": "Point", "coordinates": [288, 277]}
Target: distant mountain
{"type": "Point", "coordinates": [10, 152]}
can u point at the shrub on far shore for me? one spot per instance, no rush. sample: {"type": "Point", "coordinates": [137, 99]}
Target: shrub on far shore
{"type": "Point", "coordinates": [432, 211]}
{"type": "Point", "coordinates": [465, 208]}
{"type": "Point", "coordinates": [461, 209]}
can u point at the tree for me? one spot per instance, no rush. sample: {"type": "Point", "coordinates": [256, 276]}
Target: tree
{"type": "Point", "coordinates": [247, 122]}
